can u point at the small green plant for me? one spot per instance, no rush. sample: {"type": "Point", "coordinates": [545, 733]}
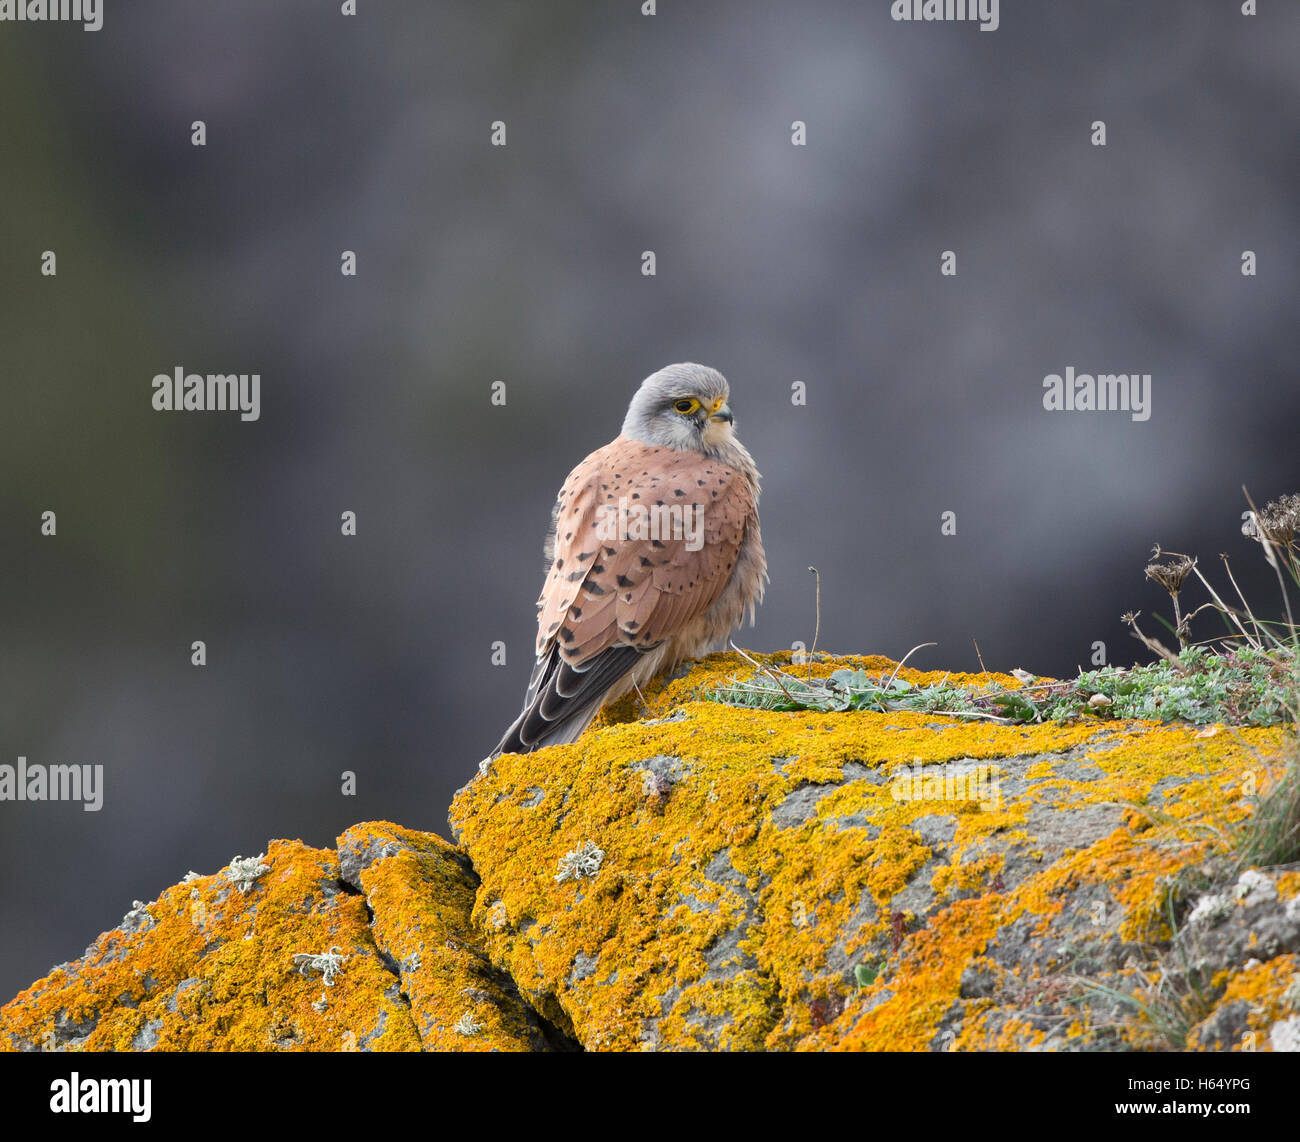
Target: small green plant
{"type": "Point", "coordinates": [1270, 654]}
{"type": "Point", "coordinates": [1276, 529]}
{"type": "Point", "coordinates": [1270, 836]}
{"type": "Point", "coordinates": [1179, 999]}
{"type": "Point", "coordinates": [1245, 686]}
{"type": "Point", "coordinates": [867, 974]}
{"type": "Point", "coordinates": [1250, 675]}
{"type": "Point", "coordinates": [1171, 1011]}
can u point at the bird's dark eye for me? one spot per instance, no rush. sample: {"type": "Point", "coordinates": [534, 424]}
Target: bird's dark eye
{"type": "Point", "coordinates": [686, 406]}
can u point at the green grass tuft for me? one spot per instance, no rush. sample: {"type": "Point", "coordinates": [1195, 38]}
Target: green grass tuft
{"type": "Point", "coordinates": [1241, 687]}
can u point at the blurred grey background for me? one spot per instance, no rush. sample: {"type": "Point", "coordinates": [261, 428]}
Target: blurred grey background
{"type": "Point", "coordinates": [521, 264]}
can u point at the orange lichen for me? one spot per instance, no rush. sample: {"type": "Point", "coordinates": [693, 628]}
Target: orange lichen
{"type": "Point", "coordinates": [799, 897]}
{"type": "Point", "coordinates": [421, 894]}
{"type": "Point", "coordinates": [215, 970]}
{"type": "Point", "coordinates": [1269, 991]}
{"type": "Point", "coordinates": [964, 865]}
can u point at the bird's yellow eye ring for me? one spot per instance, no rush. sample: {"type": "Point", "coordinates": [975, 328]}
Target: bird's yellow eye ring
{"type": "Point", "coordinates": [686, 406]}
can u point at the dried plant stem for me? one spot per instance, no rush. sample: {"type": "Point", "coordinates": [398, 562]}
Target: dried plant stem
{"type": "Point", "coordinates": [817, 630]}
{"type": "Point", "coordinates": [1245, 605]}
{"type": "Point", "coordinates": [905, 657]}
{"type": "Point", "coordinates": [759, 666]}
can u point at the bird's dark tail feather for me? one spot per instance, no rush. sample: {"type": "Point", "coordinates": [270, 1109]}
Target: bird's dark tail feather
{"type": "Point", "coordinates": [562, 700]}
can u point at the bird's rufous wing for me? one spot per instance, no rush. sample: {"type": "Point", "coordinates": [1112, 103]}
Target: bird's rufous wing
{"type": "Point", "coordinates": [645, 540]}
{"type": "Point", "coordinates": [616, 590]}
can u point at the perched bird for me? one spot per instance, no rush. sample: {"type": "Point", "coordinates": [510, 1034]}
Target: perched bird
{"type": "Point", "coordinates": [654, 555]}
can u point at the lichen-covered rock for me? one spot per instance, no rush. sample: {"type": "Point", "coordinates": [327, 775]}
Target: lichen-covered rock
{"type": "Point", "coordinates": [710, 877]}
{"type": "Point", "coordinates": [281, 953]}
{"type": "Point", "coordinates": [716, 877]}
{"type": "Point", "coordinates": [420, 891]}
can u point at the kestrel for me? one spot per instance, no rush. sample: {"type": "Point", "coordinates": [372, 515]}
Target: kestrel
{"type": "Point", "coordinates": [654, 556]}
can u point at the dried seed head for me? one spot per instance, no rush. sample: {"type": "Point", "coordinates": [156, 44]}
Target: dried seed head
{"type": "Point", "coordinates": [1279, 522]}
{"type": "Point", "coordinates": [1172, 575]}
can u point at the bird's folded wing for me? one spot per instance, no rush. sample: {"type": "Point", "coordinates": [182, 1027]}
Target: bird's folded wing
{"type": "Point", "coordinates": [645, 539]}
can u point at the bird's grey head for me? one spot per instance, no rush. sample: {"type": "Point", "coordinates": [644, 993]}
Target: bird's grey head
{"type": "Point", "coordinates": [683, 407]}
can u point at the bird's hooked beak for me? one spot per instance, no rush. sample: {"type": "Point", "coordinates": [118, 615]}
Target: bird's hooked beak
{"type": "Point", "coordinates": [721, 411]}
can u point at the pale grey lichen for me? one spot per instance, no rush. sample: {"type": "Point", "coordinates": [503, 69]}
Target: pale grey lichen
{"type": "Point", "coordinates": [582, 862]}
{"type": "Point", "coordinates": [1291, 996]}
{"type": "Point", "coordinates": [244, 871]}
{"type": "Point", "coordinates": [1285, 1034]}
{"type": "Point", "coordinates": [1210, 910]}
{"type": "Point", "coordinates": [468, 1025]}
{"type": "Point", "coordinates": [1253, 887]}
{"type": "Point", "coordinates": [139, 919]}
{"type": "Point", "coordinates": [675, 716]}
{"type": "Point", "coordinates": [329, 964]}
